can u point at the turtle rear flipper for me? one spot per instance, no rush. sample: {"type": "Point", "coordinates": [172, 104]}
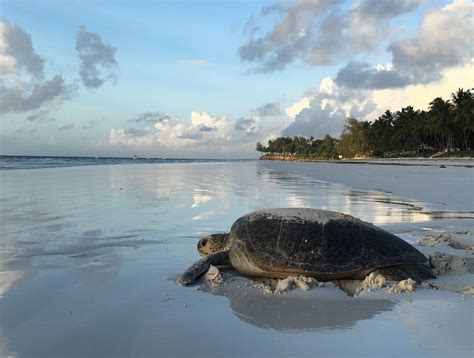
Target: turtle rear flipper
{"type": "Point", "coordinates": [200, 267]}
{"type": "Point", "coordinates": [417, 272]}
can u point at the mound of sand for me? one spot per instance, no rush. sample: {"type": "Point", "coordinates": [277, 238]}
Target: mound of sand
{"type": "Point", "coordinates": [280, 286]}
{"type": "Point", "coordinates": [432, 240]}
{"type": "Point", "coordinates": [374, 280]}
{"type": "Point", "coordinates": [462, 240]}
{"type": "Point", "coordinates": [442, 263]}
{"type": "Point", "coordinates": [404, 286]}
{"type": "Point", "coordinates": [213, 276]}
{"type": "Point", "coordinates": [454, 273]}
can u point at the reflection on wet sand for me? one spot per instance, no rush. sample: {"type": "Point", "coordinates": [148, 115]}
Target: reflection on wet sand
{"type": "Point", "coordinates": [182, 199]}
{"type": "Point", "coordinates": [9, 275]}
{"type": "Point", "coordinates": [378, 207]}
{"type": "Point", "coordinates": [404, 209]}
{"type": "Point", "coordinates": [99, 207]}
{"type": "Point", "coordinates": [79, 258]}
{"type": "Point", "coordinates": [95, 271]}
{"type": "Point", "coordinates": [320, 309]}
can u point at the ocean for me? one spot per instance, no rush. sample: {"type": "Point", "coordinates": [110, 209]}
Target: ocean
{"type": "Point", "coordinates": [8, 162]}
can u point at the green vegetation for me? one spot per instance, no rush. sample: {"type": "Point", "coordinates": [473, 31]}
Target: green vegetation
{"type": "Point", "coordinates": [300, 147]}
{"type": "Point", "coordinates": [448, 126]}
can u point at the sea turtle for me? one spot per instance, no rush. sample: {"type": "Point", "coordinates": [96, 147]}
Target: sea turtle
{"type": "Point", "coordinates": [326, 245]}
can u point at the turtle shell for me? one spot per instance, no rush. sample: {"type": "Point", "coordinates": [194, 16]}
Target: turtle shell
{"type": "Point", "coordinates": [311, 241]}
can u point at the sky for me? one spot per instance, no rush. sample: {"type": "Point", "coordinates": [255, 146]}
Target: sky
{"type": "Point", "coordinates": [210, 79]}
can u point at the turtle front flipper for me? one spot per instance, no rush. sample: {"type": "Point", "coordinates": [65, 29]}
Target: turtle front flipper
{"type": "Point", "coordinates": [200, 267]}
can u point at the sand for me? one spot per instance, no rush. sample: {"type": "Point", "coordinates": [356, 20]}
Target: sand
{"type": "Point", "coordinates": [464, 240]}
{"type": "Point", "coordinates": [89, 258]}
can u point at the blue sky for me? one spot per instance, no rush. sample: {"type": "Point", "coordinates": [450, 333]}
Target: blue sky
{"type": "Point", "coordinates": [199, 65]}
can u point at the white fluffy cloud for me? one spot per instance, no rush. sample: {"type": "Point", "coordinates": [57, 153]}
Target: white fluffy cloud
{"type": "Point", "coordinates": [205, 135]}
{"type": "Point", "coordinates": [324, 110]}
{"type": "Point", "coordinates": [420, 95]}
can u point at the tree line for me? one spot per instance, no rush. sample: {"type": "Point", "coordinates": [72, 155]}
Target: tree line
{"type": "Point", "coordinates": [447, 126]}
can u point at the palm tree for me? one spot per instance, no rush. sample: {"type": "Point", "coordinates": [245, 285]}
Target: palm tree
{"type": "Point", "coordinates": [463, 102]}
{"type": "Point", "coordinates": [407, 127]}
{"type": "Point", "coordinates": [440, 112]}
{"type": "Point", "coordinates": [382, 132]}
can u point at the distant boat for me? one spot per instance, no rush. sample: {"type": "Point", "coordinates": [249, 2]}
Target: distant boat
{"type": "Point", "coordinates": [135, 157]}
{"type": "Point", "coordinates": [163, 157]}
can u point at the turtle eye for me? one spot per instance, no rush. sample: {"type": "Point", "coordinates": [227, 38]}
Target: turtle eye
{"type": "Point", "coordinates": [202, 243]}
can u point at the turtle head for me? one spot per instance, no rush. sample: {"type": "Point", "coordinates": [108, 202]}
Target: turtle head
{"type": "Point", "coordinates": [212, 243]}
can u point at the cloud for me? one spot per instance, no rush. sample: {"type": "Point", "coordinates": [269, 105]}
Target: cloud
{"type": "Point", "coordinates": [17, 52]}
{"type": "Point", "coordinates": [323, 110]}
{"type": "Point", "coordinates": [297, 107]}
{"type": "Point", "coordinates": [317, 121]}
{"type": "Point", "coordinates": [150, 118]}
{"type": "Point", "coordinates": [319, 33]}
{"type": "Point", "coordinates": [296, 36]}
{"type": "Point", "coordinates": [23, 99]}
{"type": "Point", "coordinates": [246, 125]}
{"type": "Point", "coordinates": [268, 110]}
{"type": "Point", "coordinates": [444, 40]}
{"type": "Point", "coordinates": [197, 132]}
{"type": "Point", "coordinates": [383, 9]}
{"type": "Point", "coordinates": [91, 124]}
{"type": "Point", "coordinates": [326, 110]}
{"type": "Point", "coordinates": [206, 135]}
{"type": "Point", "coordinates": [66, 127]}
{"type": "Point", "coordinates": [40, 116]}
{"type": "Point", "coordinates": [23, 87]}
{"type": "Point", "coordinates": [420, 95]}
{"type": "Point", "coordinates": [23, 130]}
{"type": "Point", "coordinates": [368, 21]}
{"type": "Point", "coordinates": [360, 75]}
{"type": "Point", "coordinates": [97, 58]}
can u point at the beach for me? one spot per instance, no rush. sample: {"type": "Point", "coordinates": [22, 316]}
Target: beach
{"type": "Point", "coordinates": [89, 257]}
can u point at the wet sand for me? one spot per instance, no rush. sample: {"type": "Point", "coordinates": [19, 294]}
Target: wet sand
{"type": "Point", "coordinates": [89, 256]}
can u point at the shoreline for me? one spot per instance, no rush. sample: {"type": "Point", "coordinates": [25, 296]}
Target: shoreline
{"type": "Point", "coordinates": [467, 162]}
